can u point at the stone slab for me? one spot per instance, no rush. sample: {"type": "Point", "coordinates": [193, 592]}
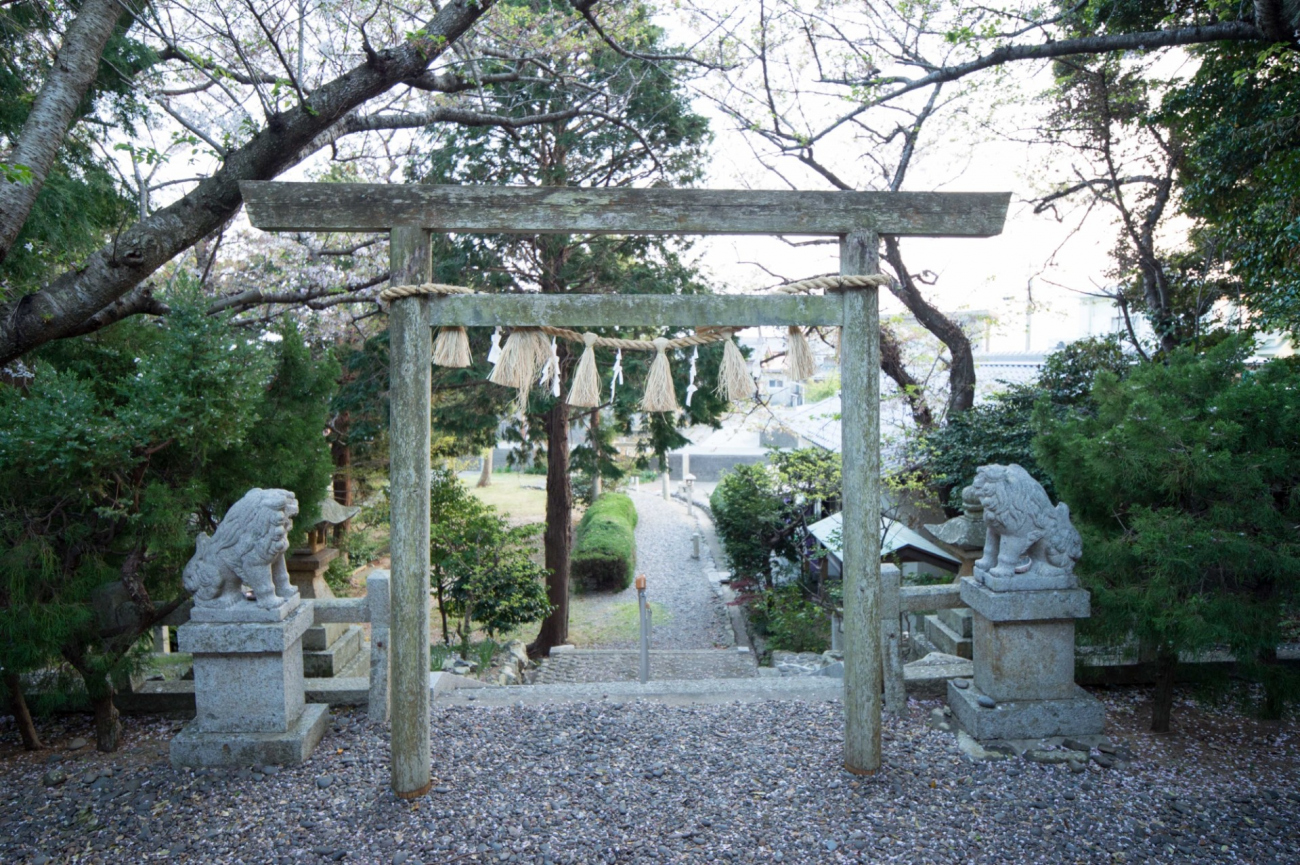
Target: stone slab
{"type": "Point", "coordinates": [244, 638]}
{"type": "Point", "coordinates": [960, 620]}
{"type": "Point", "coordinates": [332, 660]}
{"type": "Point", "coordinates": [320, 637]}
{"type": "Point", "coordinates": [1025, 606]}
{"type": "Point", "coordinates": [927, 678]}
{"type": "Point", "coordinates": [1026, 582]}
{"type": "Point", "coordinates": [196, 748]}
{"type": "Point", "coordinates": [1079, 715]}
{"type": "Point", "coordinates": [945, 639]}
{"type": "Point", "coordinates": [311, 562]}
{"type": "Point", "coordinates": [246, 612]}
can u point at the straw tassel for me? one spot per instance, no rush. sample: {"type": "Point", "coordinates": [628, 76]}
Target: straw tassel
{"type": "Point", "coordinates": [659, 393]}
{"type": "Point", "coordinates": [799, 364]}
{"type": "Point", "coordinates": [525, 352]}
{"type": "Point", "coordinates": [451, 348]}
{"type": "Point", "coordinates": [734, 380]}
{"type": "Point", "coordinates": [586, 378]}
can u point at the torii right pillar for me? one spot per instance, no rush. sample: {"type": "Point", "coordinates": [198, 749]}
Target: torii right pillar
{"type": "Point", "coordinates": [860, 535]}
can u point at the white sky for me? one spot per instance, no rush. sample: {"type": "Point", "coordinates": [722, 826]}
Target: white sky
{"type": "Point", "coordinates": [991, 275]}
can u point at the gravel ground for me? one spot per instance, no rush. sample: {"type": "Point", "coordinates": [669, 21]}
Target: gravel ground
{"type": "Point", "coordinates": [638, 782]}
{"type": "Point", "coordinates": [675, 581]}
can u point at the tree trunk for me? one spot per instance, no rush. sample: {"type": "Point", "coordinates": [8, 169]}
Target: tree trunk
{"type": "Point", "coordinates": [961, 375]}
{"type": "Point", "coordinates": [73, 297]}
{"type": "Point", "coordinates": [485, 477]}
{"type": "Point", "coordinates": [18, 704]}
{"type": "Point", "coordinates": [559, 531]}
{"type": "Point", "coordinates": [108, 729]}
{"type": "Point", "coordinates": [54, 110]}
{"type": "Point", "coordinates": [1162, 702]}
{"type": "Point", "coordinates": [341, 452]}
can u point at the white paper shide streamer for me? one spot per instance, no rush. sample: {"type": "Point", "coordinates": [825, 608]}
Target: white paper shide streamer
{"type": "Point", "coordinates": [691, 387]}
{"type": "Point", "coordinates": [616, 374]}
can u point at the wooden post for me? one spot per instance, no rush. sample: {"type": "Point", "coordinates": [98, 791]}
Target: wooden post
{"type": "Point", "coordinates": [410, 368]}
{"type": "Point", "coordinates": [860, 414]}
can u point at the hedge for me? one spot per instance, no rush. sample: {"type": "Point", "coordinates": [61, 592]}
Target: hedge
{"type": "Point", "coordinates": [604, 551]}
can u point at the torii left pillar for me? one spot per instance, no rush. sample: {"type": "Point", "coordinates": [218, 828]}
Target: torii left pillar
{"type": "Point", "coordinates": [410, 370]}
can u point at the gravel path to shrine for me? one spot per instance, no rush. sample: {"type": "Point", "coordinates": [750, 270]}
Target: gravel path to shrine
{"type": "Point", "coordinates": [675, 582]}
{"type": "Point", "coordinates": [609, 782]}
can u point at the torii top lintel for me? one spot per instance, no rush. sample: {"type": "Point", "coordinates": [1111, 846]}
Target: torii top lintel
{"type": "Point", "coordinates": [278, 206]}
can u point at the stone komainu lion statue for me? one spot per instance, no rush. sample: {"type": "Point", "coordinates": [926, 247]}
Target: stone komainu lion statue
{"type": "Point", "coordinates": [1029, 544]}
{"type": "Point", "coordinates": [247, 548]}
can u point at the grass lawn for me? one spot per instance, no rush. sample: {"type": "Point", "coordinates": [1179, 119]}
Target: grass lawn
{"type": "Point", "coordinates": [512, 494]}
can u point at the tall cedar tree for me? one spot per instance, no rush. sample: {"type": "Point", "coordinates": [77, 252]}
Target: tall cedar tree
{"type": "Point", "coordinates": [652, 137]}
{"type": "Point", "coordinates": [1185, 484]}
{"type": "Point", "coordinates": [116, 452]}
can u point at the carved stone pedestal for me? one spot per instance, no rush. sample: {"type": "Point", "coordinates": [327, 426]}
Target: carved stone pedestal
{"type": "Point", "coordinates": [326, 649]}
{"type": "Point", "coordinates": [1024, 663]}
{"type": "Point", "coordinates": [248, 690]}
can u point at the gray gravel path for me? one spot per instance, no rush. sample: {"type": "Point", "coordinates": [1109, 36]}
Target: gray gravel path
{"type": "Point", "coordinates": [605, 782]}
{"type": "Point", "coordinates": [695, 616]}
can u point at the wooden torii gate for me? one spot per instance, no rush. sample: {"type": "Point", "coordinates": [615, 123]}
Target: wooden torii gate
{"type": "Point", "coordinates": [410, 214]}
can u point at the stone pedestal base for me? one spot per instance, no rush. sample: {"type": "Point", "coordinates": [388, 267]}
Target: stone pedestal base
{"type": "Point", "coordinates": [1079, 714]}
{"type": "Point", "coordinates": [248, 693]}
{"type": "Point", "coordinates": [195, 748]}
{"type": "Point", "coordinates": [1024, 662]}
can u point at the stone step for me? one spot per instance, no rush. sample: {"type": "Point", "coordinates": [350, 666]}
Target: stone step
{"type": "Point", "coordinates": [332, 660]}
{"type": "Point", "coordinates": [947, 640]}
{"type": "Point", "coordinates": [622, 665]}
{"type": "Point", "coordinates": [960, 620]}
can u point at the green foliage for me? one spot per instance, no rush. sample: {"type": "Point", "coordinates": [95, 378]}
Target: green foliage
{"type": "Point", "coordinates": [759, 510]}
{"type": "Point", "coordinates": [1241, 175]}
{"type": "Point", "coordinates": [480, 565]}
{"type": "Point", "coordinates": [1185, 483]}
{"type": "Point", "coordinates": [604, 548]}
{"type": "Point", "coordinates": [823, 389]}
{"type": "Point", "coordinates": [121, 447]}
{"type": "Point", "coordinates": [789, 621]}
{"type": "Point", "coordinates": [747, 512]}
{"type": "Point", "coordinates": [1001, 430]}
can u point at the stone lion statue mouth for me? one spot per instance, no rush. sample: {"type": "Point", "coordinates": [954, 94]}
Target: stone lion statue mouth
{"type": "Point", "coordinates": [247, 548]}
{"type": "Point", "coordinates": [1029, 543]}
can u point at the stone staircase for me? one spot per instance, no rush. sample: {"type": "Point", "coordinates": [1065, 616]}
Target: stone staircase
{"type": "Point", "coordinates": [576, 666]}
{"type": "Point", "coordinates": [950, 631]}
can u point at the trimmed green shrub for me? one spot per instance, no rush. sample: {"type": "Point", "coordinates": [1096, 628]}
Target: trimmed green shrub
{"type": "Point", "coordinates": [604, 551]}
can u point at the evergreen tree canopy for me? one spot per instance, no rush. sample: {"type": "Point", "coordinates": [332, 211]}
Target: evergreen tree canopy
{"type": "Point", "coordinates": [1185, 484]}
{"type": "Point", "coordinates": [121, 447]}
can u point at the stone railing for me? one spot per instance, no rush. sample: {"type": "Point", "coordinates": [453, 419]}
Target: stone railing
{"type": "Point", "coordinates": [375, 609]}
{"type": "Point", "coordinates": [897, 600]}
